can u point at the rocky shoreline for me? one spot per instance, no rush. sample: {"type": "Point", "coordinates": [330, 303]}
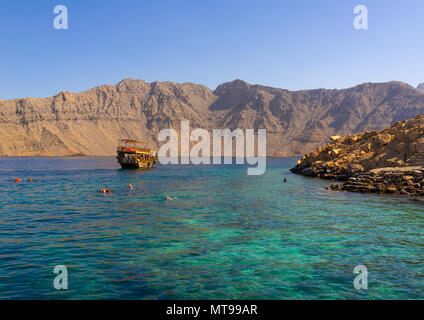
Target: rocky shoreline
{"type": "Point", "coordinates": [408, 181]}
{"type": "Point", "coordinates": [389, 161]}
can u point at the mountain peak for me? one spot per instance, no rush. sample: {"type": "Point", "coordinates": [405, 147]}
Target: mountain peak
{"type": "Point", "coordinates": [130, 82]}
{"type": "Point", "coordinates": [421, 87]}
{"type": "Point", "coordinates": [130, 85]}
{"type": "Point", "coordinates": [235, 85]}
{"type": "Point", "coordinates": [63, 95]}
{"type": "Point", "coordinates": [388, 84]}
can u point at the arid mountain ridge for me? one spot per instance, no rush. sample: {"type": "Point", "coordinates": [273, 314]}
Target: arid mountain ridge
{"type": "Point", "coordinates": [90, 122]}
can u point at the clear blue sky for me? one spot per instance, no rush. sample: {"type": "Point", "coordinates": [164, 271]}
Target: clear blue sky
{"type": "Point", "coordinates": [292, 44]}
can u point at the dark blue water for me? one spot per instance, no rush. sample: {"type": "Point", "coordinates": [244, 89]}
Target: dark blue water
{"type": "Point", "coordinates": [227, 236]}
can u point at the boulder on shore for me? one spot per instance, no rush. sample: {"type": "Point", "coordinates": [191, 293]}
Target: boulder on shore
{"type": "Point", "coordinates": [399, 181]}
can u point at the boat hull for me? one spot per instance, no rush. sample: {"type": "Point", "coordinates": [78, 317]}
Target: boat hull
{"type": "Point", "coordinates": [135, 161]}
{"type": "Point", "coordinates": [131, 157]}
{"type": "Point", "coordinates": [137, 165]}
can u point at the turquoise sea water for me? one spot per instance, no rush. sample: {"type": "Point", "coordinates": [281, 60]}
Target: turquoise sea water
{"type": "Point", "coordinates": [227, 236]}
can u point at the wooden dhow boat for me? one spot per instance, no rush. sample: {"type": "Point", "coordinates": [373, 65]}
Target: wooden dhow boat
{"type": "Point", "coordinates": [131, 156]}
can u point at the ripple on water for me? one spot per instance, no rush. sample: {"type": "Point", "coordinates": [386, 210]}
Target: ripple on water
{"type": "Point", "coordinates": [228, 235]}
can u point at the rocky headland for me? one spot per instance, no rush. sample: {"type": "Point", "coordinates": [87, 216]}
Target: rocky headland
{"type": "Point", "coordinates": [381, 161]}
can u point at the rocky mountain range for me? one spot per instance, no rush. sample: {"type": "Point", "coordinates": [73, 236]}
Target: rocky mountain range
{"type": "Point", "coordinates": [90, 122]}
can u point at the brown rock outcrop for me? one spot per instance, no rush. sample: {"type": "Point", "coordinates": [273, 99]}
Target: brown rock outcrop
{"type": "Point", "coordinates": [402, 144]}
{"type": "Point", "coordinates": [400, 181]}
{"type": "Point", "coordinates": [386, 161]}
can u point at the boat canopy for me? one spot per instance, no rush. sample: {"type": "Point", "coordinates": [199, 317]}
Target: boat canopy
{"type": "Point", "coordinates": [131, 141]}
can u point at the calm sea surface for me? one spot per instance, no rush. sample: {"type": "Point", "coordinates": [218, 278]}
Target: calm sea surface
{"type": "Point", "coordinates": [227, 236]}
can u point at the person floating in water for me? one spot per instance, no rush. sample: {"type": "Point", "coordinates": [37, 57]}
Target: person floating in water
{"type": "Point", "coordinates": [130, 187]}
{"type": "Point", "coordinates": [169, 198]}
{"type": "Point", "coordinates": [285, 179]}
